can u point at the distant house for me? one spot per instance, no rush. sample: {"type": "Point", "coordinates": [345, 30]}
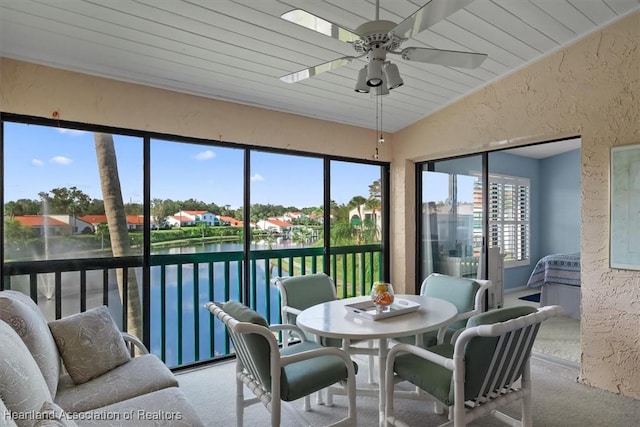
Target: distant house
{"type": "Point", "coordinates": [275, 224]}
{"type": "Point", "coordinates": [319, 218]}
{"type": "Point", "coordinates": [292, 216]}
{"type": "Point", "coordinates": [134, 222]}
{"type": "Point", "coordinates": [187, 218]}
{"type": "Point", "coordinates": [229, 220]}
{"type": "Point", "coordinates": [369, 216]}
{"type": "Point", "coordinates": [55, 224]}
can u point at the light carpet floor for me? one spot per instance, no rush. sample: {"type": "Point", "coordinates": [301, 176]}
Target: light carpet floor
{"type": "Point", "coordinates": [558, 401]}
{"type": "Point", "coordinates": [559, 337]}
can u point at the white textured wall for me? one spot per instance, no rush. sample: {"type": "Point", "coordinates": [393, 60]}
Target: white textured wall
{"type": "Point", "coordinates": [592, 89]}
{"type": "Point", "coordinates": [41, 91]}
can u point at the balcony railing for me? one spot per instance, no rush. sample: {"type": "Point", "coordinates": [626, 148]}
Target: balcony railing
{"type": "Point", "coordinates": [182, 332]}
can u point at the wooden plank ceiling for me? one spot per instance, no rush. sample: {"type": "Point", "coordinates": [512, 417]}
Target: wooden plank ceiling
{"type": "Point", "coordinates": [236, 50]}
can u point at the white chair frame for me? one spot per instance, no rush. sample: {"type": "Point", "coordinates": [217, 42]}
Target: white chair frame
{"type": "Point", "coordinates": [479, 304]}
{"type": "Point", "coordinates": [346, 344]}
{"type": "Point", "coordinates": [247, 371]}
{"type": "Point", "coordinates": [498, 391]}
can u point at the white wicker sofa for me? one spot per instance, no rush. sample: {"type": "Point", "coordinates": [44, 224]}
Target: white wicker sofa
{"type": "Point", "coordinates": [75, 371]}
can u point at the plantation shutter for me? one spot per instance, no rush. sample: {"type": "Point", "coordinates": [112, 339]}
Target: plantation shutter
{"type": "Point", "coordinates": [509, 217]}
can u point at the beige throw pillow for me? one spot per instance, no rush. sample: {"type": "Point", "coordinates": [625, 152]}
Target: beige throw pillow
{"type": "Point", "coordinates": [89, 343]}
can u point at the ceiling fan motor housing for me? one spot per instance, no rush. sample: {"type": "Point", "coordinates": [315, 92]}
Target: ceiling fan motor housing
{"type": "Point", "coordinates": [376, 34]}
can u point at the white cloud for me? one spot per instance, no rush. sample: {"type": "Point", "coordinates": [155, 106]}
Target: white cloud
{"type": "Point", "coordinates": [37, 162]}
{"type": "Point", "coordinates": [257, 177]}
{"type": "Point", "coordinates": [72, 132]}
{"type": "Point", "coordinates": [205, 155]}
{"type": "Point", "coordinates": [61, 160]}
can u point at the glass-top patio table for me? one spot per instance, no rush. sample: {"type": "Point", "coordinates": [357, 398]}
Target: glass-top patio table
{"type": "Point", "coordinates": [331, 319]}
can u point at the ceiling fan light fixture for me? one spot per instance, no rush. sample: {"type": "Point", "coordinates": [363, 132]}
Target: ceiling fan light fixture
{"type": "Point", "coordinates": [380, 90]}
{"type": "Point", "coordinates": [361, 84]}
{"type": "Point", "coordinates": [374, 73]}
{"type": "Point", "coordinates": [393, 75]}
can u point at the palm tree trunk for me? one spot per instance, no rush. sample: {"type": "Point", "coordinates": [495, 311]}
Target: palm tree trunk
{"type": "Point", "coordinates": [117, 220]}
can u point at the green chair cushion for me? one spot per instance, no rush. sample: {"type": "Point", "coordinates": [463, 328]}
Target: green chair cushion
{"type": "Point", "coordinates": [242, 313]}
{"type": "Point", "coordinates": [500, 315]}
{"type": "Point", "coordinates": [436, 380]}
{"type": "Point", "coordinates": [305, 377]}
{"type": "Point", "coordinates": [429, 339]}
{"type": "Point", "coordinates": [430, 377]}
{"type": "Point", "coordinates": [298, 379]}
{"type": "Point", "coordinates": [307, 290]}
{"type": "Point", "coordinates": [257, 345]}
{"type": "Point", "coordinates": [476, 362]}
{"type": "Point", "coordinates": [459, 291]}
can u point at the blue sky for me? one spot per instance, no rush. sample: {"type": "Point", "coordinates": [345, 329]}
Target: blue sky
{"type": "Point", "coordinates": [40, 158]}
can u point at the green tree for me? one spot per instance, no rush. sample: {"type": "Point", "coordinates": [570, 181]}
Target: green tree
{"type": "Point", "coordinates": [301, 235]}
{"type": "Point", "coordinates": [203, 226]}
{"type": "Point", "coordinates": [372, 230]}
{"type": "Point", "coordinates": [69, 201]}
{"type": "Point", "coordinates": [96, 207]}
{"type": "Point", "coordinates": [22, 207]}
{"type": "Point", "coordinates": [102, 230]}
{"type": "Point", "coordinates": [375, 190]}
{"type": "Point", "coordinates": [14, 232]}
{"type": "Point", "coordinates": [261, 211]}
{"type": "Point", "coordinates": [132, 208]}
{"type": "Point", "coordinates": [162, 209]}
{"type": "Point", "coordinates": [357, 202]}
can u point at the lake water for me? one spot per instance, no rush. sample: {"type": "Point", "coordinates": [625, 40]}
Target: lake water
{"type": "Point", "coordinates": [192, 309]}
{"type": "Point", "coordinates": [208, 330]}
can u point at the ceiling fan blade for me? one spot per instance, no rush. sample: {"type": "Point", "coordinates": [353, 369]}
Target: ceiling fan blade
{"type": "Point", "coordinates": [450, 58]}
{"type": "Point", "coordinates": [429, 14]}
{"type": "Point", "coordinates": [322, 26]}
{"type": "Point", "coordinates": [317, 69]}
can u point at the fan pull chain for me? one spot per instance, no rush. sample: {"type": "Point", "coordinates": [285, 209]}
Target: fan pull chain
{"type": "Point", "coordinates": [376, 156]}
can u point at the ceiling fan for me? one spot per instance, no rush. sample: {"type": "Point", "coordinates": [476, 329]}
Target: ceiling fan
{"type": "Point", "coordinates": [375, 39]}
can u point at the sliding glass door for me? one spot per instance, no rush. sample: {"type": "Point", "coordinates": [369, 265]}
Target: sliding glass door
{"type": "Point", "coordinates": [451, 217]}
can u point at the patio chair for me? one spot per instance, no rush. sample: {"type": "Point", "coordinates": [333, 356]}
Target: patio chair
{"type": "Point", "coordinates": [300, 292]}
{"type": "Point", "coordinates": [468, 295]}
{"type": "Point", "coordinates": [479, 371]}
{"type": "Point", "coordinates": [273, 374]}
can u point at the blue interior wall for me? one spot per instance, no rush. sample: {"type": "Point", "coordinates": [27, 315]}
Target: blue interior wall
{"type": "Point", "coordinates": [525, 167]}
{"type": "Point", "coordinates": [554, 201]}
{"type": "Point", "coordinates": [560, 203]}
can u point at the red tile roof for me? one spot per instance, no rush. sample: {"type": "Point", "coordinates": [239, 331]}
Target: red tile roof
{"type": "Point", "coordinates": [94, 219]}
{"type": "Point", "coordinates": [99, 219]}
{"type": "Point", "coordinates": [231, 220]}
{"type": "Point", "coordinates": [39, 220]}
{"type": "Point", "coordinates": [279, 223]}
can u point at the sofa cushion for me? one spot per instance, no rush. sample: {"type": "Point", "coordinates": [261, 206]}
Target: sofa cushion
{"type": "Point", "coordinates": [19, 310]}
{"type": "Point", "coordinates": [22, 386]}
{"type": "Point", "coordinates": [5, 419]}
{"type": "Point", "coordinates": [90, 343]}
{"type": "Point", "coordinates": [142, 374]}
{"type": "Point", "coordinates": [51, 415]}
{"type": "Point", "coordinates": [167, 407]}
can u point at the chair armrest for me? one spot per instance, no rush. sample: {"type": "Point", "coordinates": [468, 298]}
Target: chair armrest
{"type": "Point", "coordinates": [133, 342]}
{"type": "Point", "coordinates": [323, 351]}
{"type": "Point", "coordinates": [288, 327]}
{"type": "Point", "coordinates": [418, 351]}
{"type": "Point", "coordinates": [291, 310]}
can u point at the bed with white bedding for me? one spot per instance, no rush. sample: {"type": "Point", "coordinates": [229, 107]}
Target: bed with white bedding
{"type": "Point", "coordinates": [558, 277]}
